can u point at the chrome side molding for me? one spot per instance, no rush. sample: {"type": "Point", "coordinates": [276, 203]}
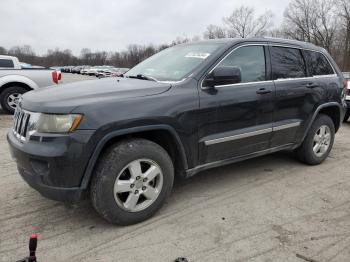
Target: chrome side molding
{"type": "Point", "coordinates": [250, 134]}
{"type": "Point", "coordinates": [239, 136]}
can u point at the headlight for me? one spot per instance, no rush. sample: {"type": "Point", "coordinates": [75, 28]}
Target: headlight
{"type": "Point", "coordinates": [50, 123]}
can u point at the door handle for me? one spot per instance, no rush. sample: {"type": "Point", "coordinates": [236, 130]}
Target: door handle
{"type": "Point", "coordinates": [311, 85]}
{"type": "Point", "coordinates": [263, 91]}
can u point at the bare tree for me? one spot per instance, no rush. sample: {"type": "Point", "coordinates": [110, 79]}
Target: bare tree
{"type": "Point", "coordinates": [58, 58]}
{"type": "Point", "coordinates": [24, 53]}
{"type": "Point", "coordinates": [214, 31]}
{"type": "Point", "coordinates": [3, 50]}
{"type": "Point", "coordinates": [312, 21]}
{"type": "Point", "coordinates": [344, 12]}
{"type": "Point", "coordinates": [244, 23]}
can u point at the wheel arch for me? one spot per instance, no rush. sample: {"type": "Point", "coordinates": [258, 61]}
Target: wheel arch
{"type": "Point", "coordinates": [10, 84]}
{"type": "Point", "coordinates": [163, 135]}
{"type": "Point", "coordinates": [331, 109]}
{"type": "Point", "coordinates": [17, 80]}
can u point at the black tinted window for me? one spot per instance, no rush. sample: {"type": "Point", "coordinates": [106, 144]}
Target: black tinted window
{"type": "Point", "coordinates": [287, 63]}
{"type": "Point", "coordinates": [251, 61]}
{"type": "Point", "coordinates": [317, 64]}
{"type": "Point", "coordinates": [6, 63]}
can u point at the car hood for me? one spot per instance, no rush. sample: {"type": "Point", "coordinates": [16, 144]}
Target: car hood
{"type": "Point", "coordinates": [64, 98]}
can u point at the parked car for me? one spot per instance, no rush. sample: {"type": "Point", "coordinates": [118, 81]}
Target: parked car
{"type": "Point", "coordinates": [85, 70]}
{"type": "Point", "coordinates": [120, 72]}
{"type": "Point", "coordinates": [57, 68]}
{"type": "Point", "coordinates": [17, 78]}
{"type": "Point", "coordinates": [347, 77]}
{"type": "Point", "coordinates": [188, 108]}
{"type": "Point", "coordinates": [109, 72]}
{"type": "Point", "coordinates": [76, 70]}
{"type": "Point", "coordinates": [67, 69]}
{"type": "Point", "coordinates": [93, 71]}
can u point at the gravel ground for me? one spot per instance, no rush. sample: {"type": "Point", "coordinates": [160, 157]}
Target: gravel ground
{"type": "Point", "coordinates": [271, 208]}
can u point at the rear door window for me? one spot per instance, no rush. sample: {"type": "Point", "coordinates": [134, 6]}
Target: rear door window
{"type": "Point", "coordinates": [6, 63]}
{"type": "Point", "coordinates": [287, 63]}
{"type": "Point", "coordinates": [317, 63]}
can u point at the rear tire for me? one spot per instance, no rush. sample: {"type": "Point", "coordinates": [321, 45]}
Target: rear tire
{"type": "Point", "coordinates": [9, 98]}
{"type": "Point", "coordinates": [347, 115]}
{"type": "Point", "coordinates": [318, 141]}
{"type": "Point", "coordinates": [113, 174]}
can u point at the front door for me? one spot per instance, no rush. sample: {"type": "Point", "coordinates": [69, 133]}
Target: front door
{"type": "Point", "coordinates": [236, 119]}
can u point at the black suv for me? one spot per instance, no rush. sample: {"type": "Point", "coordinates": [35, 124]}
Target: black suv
{"type": "Point", "coordinates": [191, 107]}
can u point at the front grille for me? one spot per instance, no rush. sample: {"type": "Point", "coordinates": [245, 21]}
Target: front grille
{"type": "Point", "coordinates": [20, 123]}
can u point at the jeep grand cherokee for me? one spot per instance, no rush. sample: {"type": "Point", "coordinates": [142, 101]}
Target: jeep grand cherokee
{"type": "Point", "coordinates": [194, 106]}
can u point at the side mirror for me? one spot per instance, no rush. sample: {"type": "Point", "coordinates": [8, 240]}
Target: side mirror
{"type": "Point", "coordinates": [223, 75]}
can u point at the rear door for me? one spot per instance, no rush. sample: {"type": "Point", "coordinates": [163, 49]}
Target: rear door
{"type": "Point", "coordinates": [322, 72]}
{"type": "Point", "coordinates": [296, 94]}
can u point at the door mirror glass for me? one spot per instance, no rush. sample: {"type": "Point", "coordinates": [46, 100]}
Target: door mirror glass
{"type": "Point", "coordinates": [223, 75]}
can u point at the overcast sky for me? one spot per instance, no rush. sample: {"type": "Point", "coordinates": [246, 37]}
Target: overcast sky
{"type": "Point", "coordinates": [111, 25]}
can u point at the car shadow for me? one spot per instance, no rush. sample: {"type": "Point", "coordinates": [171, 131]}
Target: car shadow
{"type": "Point", "coordinates": [2, 112]}
{"type": "Point", "coordinates": [212, 180]}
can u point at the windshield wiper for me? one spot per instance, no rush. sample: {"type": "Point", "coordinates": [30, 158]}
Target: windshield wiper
{"type": "Point", "coordinates": [143, 77]}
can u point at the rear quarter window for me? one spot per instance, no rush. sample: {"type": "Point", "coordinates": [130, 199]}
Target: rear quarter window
{"type": "Point", "coordinates": [6, 63]}
{"type": "Point", "coordinates": [287, 63]}
{"type": "Point", "coordinates": [317, 63]}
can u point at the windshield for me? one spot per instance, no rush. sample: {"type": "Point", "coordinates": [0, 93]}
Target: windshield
{"type": "Point", "coordinates": [174, 63]}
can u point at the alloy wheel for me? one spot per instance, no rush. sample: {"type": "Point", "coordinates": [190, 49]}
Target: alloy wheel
{"type": "Point", "coordinates": [138, 185]}
{"type": "Point", "coordinates": [322, 140]}
{"type": "Point", "coordinates": [12, 100]}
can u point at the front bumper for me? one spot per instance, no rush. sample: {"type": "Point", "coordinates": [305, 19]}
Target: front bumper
{"type": "Point", "coordinates": [54, 165]}
{"type": "Point", "coordinates": [63, 194]}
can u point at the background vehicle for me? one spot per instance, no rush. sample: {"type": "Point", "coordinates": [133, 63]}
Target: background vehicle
{"type": "Point", "coordinates": [188, 108]}
{"type": "Point", "coordinates": [120, 72]}
{"type": "Point", "coordinates": [76, 69]}
{"type": "Point", "coordinates": [84, 70]}
{"type": "Point", "coordinates": [29, 66]}
{"type": "Point", "coordinates": [57, 68]}
{"type": "Point", "coordinates": [94, 71]}
{"type": "Point", "coordinates": [111, 72]}
{"type": "Point", "coordinates": [16, 80]}
{"type": "Point", "coordinates": [67, 69]}
{"type": "Point", "coordinates": [347, 77]}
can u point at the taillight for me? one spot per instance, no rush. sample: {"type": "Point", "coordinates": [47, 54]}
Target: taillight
{"type": "Point", "coordinates": [59, 76]}
{"type": "Point", "coordinates": [55, 77]}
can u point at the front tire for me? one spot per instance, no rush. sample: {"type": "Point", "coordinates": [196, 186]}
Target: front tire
{"type": "Point", "coordinates": [318, 142]}
{"type": "Point", "coordinates": [131, 182]}
{"type": "Point", "coordinates": [9, 98]}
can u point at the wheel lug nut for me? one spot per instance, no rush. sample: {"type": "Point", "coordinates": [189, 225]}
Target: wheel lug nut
{"type": "Point", "coordinates": [136, 191]}
{"type": "Point", "coordinates": [132, 185]}
{"type": "Point", "coordinates": [137, 178]}
{"type": "Point", "coordinates": [143, 188]}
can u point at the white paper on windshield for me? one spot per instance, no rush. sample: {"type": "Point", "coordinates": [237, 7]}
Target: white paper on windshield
{"type": "Point", "coordinates": [197, 55]}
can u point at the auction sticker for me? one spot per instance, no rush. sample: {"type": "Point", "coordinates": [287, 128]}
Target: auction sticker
{"type": "Point", "coordinates": [197, 55]}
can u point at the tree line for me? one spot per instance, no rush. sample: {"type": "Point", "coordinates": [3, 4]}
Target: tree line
{"type": "Point", "coordinates": [325, 23]}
